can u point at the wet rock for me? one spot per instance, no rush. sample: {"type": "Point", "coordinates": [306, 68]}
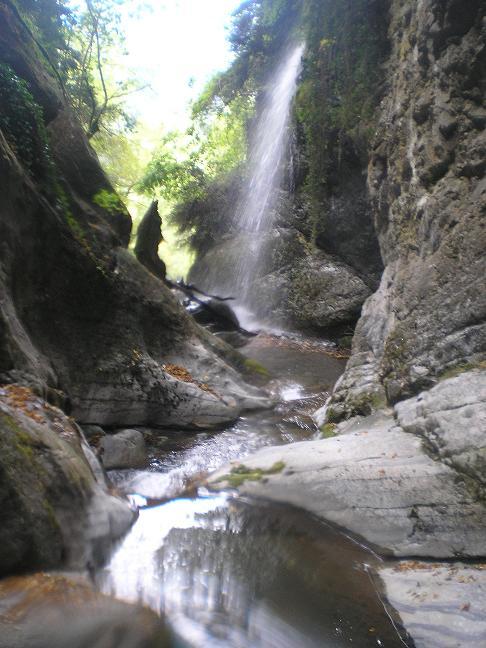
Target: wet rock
{"type": "Point", "coordinates": [441, 604]}
{"type": "Point", "coordinates": [379, 479]}
{"type": "Point", "coordinates": [217, 313]}
{"type": "Point", "coordinates": [451, 419]}
{"type": "Point", "coordinates": [54, 509]}
{"type": "Point", "coordinates": [55, 611]}
{"type": "Point", "coordinates": [125, 449]}
{"type": "Point", "coordinates": [430, 308]}
{"type": "Point", "coordinates": [325, 292]}
{"type": "Point", "coordinates": [93, 432]}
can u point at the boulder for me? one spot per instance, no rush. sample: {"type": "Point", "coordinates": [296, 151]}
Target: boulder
{"type": "Point", "coordinates": [55, 509]}
{"type": "Point", "coordinates": [125, 449]}
{"type": "Point", "coordinates": [397, 480]}
{"type": "Point", "coordinates": [57, 610]}
{"type": "Point", "coordinates": [325, 292]}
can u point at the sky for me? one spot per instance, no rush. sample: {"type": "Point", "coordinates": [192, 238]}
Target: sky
{"type": "Point", "coordinates": [170, 43]}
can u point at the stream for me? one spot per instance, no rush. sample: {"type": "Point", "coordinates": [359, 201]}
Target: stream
{"type": "Point", "coordinates": [230, 572]}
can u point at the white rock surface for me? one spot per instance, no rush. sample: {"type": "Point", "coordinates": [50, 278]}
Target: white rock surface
{"type": "Point", "coordinates": [387, 485]}
{"type": "Point", "coordinates": [440, 605]}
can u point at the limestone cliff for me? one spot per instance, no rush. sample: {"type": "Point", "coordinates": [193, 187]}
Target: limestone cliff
{"type": "Point", "coordinates": [427, 183]}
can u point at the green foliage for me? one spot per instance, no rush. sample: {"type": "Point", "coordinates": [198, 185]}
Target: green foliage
{"type": "Point", "coordinates": [22, 121]}
{"type": "Point", "coordinates": [174, 171]}
{"type": "Point", "coordinates": [82, 43]}
{"type": "Point", "coordinates": [108, 200]}
{"type": "Point", "coordinates": [195, 171]}
{"type": "Point", "coordinates": [339, 91]}
{"type": "Point", "coordinates": [122, 158]}
{"type": "Point", "coordinates": [92, 51]}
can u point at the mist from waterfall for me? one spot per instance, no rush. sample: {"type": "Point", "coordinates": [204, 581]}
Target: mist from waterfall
{"type": "Point", "coordinates": [255, 211]}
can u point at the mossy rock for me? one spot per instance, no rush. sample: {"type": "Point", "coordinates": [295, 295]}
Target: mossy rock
{"type": "Point", "coordinates": [241, 473]}
{"type": "Point", "coordinates": [328, 430]}
{"type": "Point", "coordinates": [254, 367]}
{"type": "Point", "coordinates": [30, 534]}
{"type": "Point", "coordinates": [461, 368]}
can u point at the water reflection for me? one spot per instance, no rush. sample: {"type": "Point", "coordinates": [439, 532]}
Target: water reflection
{"type": "Point", "coordinates": [234, 574]}
{"type": "Point", "coordinates": [227, 573]}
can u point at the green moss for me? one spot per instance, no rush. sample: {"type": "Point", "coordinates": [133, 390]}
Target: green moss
{"type": "Point", "coordinates": [345, 342]}
{"type": "Point", "coordinates": [22, 441]}
{"type": "Point", "coordinates": [239, 474]}
{"type": "Point", "coordinates": [109, 200]}
{"type": "Point", "coordinates": [328, 430]}
{"type": "Point", "coordinates": [452, 372]}
{"type": "Point", "coordinates": [366, 404]}
{"type": "Point", "coordinates": [22, 122]}
{"type": "Point", "coordinates": [51, 515]}
{"type": "Point", "coordinates": [253, 366]}
{"type": "Point", "coordinates": [332, 416]}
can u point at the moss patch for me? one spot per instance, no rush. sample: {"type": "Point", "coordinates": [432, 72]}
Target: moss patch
{"type": "Point", "coordinates": [253, 366]}
{"type": "Point", "coordinates": [22, 121]}
{"type": "Point", "coordinates": [109, 201]}
{"type": "Point", "coordinates": [452, 372]}
{"type": "Point", "coordinates": [328, 430]}
{"type": "Point", "coordinates": [241, 473]}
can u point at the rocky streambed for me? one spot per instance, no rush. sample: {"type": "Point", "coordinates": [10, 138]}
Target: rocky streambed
{"type": "Point", "coordinates": [292, 541]}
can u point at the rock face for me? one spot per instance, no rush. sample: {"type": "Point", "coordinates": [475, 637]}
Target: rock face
{"type": "Point", "coordinates": [55, 508]}
{"type": "Point", "coordinates": [439, 604]}
{"type": "Point", "coordinates": [427, 184]}
{"type": "Point", "coordinates": [149, 237]}
{"type": "Point", "coordinates": [306, 289]}
{"type": "Point", "coordinates": [80, 318]}
{"type": "Point", "coordinates": [125, 449]}
{"type": "Point", "coordinates": [384, 477]}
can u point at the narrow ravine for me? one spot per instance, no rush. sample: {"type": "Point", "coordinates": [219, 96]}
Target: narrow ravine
{"type": "Point", "coordinates": [226, 571]}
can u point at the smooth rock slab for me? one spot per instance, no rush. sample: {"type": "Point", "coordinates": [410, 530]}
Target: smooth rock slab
{"type": "Point", "coordinates": [378, 483]}
{"type": "Point", "coordinates": [451, 418]}
{"type": "Point", "coordinates": [440, 605]}
{"type": "Point", "coordinates": [125, 449]}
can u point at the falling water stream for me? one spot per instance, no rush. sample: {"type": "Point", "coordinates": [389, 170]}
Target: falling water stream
{"type": "Point", "coordinates": [254, 213]}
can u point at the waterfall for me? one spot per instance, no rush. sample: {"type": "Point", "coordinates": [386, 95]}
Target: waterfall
{"type": "Point", "coordinates": [255, 211]}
